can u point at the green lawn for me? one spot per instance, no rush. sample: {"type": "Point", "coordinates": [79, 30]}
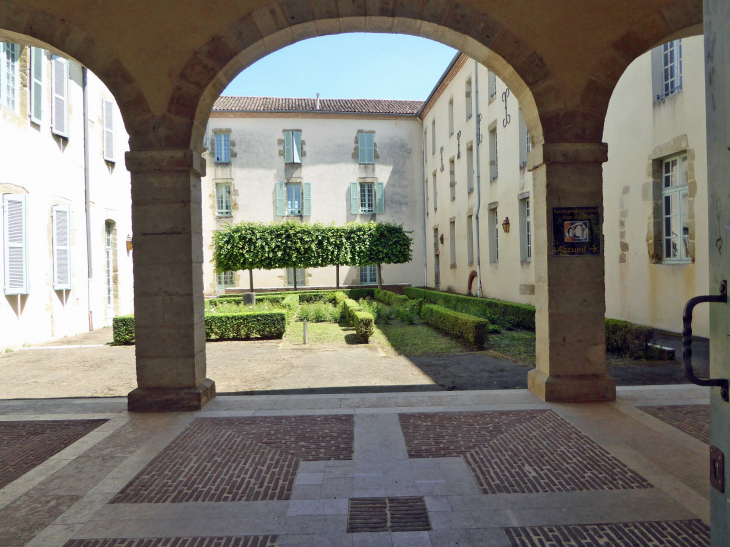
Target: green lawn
{"type": "Point", "coordinates": [516, 344]}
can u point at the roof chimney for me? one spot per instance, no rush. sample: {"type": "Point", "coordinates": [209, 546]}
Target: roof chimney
{"type": "Point", "coordinates": [317, 101]}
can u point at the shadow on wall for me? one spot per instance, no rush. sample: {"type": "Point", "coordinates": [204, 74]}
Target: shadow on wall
{"type": "Point", "coordinates": [17, 302]}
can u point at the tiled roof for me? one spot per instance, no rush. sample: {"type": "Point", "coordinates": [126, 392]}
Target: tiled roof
{"type": "Point", "coordinates": [286, 104]}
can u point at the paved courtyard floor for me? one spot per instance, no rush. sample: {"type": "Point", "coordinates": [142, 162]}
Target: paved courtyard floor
{"type": "Point", "coordinates": [486, 468]}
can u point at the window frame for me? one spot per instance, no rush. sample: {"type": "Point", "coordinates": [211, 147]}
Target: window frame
{"type": "Point", "coordinates": [469, 111]}
{"type": "Point", "coordinates": [222, 150]}
{"type": "Point", "coordinates": [293, 211]}
{"type": "Point", "coordinates": [671, 69]}
{"type": "Point", "coordinates": [493, 155]}
{"type": "Point", "coordinates": [223, 212]}
{"type": "Point", "coordinates": [452, 243]}
{"type": "Point", "coordinates": [61, 132]}
{"type": "Point", "coordinates": [675, 191]}
{"type": "Point", "coordinates": [452, 178]}
{"type": "Point", "coordinates": [225, 280]}
{"type": "Point", "coordinates": [525, 228]}
{"type": "Point", "coordinates": [470, 239]}
{"type": "Point", "coordinates": [293, 141]}
{"type": "Point", "coordinates": [451, 117]}
{"type": "Point", "coordinates": [363, 188]}
{"type": "Point", "coordinates": [371, 274]}
{"type": "Point", "coordinates": [301, 274]}
{"type": "Point", "coordinates": [4, 76]}
{"type": "Point", "coordinates": [470, 167]}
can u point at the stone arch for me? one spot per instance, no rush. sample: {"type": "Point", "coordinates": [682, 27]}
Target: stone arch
{"type": "Point", "coordinates": [472, 276]}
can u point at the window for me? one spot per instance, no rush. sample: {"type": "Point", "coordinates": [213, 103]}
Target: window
{"type": "Point", "coordinates": [293, 198]}
{"type": "Point", "coordinates": [470, 239]}
{"type": "Point", "coordinates": [467, 98]}
{"type": "Point", "coordinates": [222, 147]}
{"type": "Point", "coordinates": [223, 202]}
{"type": "Point", "coordinates": [425, 140]}
{"type": "Point", "coordinates": [675, 209]}
{"type": "Point", "coordinates": [36, 85]}
{"type": "Point", "coordinates": [109, 263]}
{"type": "Point", "coordinates": [452, 179]}
{"type": "Point", "coordinates": [61, 221]}
{"type": "Point", "coordinates": [493, 152]}
{"type": "Point", "coordinates": [470, 167]}
{"type": "Point", "coordinates": [526, 232]}
{"type": "Point", "coordinates": [451, 117]}
{"type": "Point", "coordinates": [435, 192]}
{"type": "Point", "coordinates": [433, 136]}
{"type": "Point", "coordinates": [9, 76]}
{"type": "Point", "coordinates": [671, 68]}
{"type": "Point", "coordinates": [366, 147]}
{"type": "Point", "coordinates": [452, 243]}
{"type": "Point", "coordinates": [301, 277]}
{"type": "Point", "coordinates": [494, 235]}
{"type": "Point", "coordinates": [59, 103]}
{"type": "Point", "coordinates": [15, 237]}
{"type": "Point", "coordinates": [524, 141]}
{"type": "Point", "coordinates": [108, 113]}
{"type": "Point", "coordinates": [292, 147]}
{"type": "Point", "coordinates": [368, 275]}
{"type": "Point", "coordinates": [225, 280]}
{"type": "Point", "coordinates": [492, 84]}
{"type": "Point", "coordinates": [367, 198]}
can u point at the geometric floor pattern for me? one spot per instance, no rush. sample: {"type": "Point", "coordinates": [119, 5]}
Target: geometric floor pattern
{"type": "Point", "coordinates": [25, 445]}
{"type": "Point", "coordinates": [692, 419]}
{"type": "Point", "coordinates": [239, 459]}
{"type": "Point", "coordinates": [681, 533]}
{"type": "Point", "coordinates": [230, 541]}
{"type": "Point", "coordinates": [523, 451]}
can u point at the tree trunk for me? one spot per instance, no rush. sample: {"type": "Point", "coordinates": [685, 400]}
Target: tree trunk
{"type": "Point", "coordinates": [337, 278]}
{"type": "Point", "coordinates": [295, 279]}
{"type": "Point", "coordinates": [380, 278]}
{"type": "Point", "coordinates": [250, 279]}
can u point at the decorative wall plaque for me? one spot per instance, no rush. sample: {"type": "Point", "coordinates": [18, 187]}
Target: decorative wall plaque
{"type": "Point", "coordinates": [576, 231]}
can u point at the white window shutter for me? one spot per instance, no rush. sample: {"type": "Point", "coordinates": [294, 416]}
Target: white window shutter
{"type": "Point", "coordinates": [371, 148]}
{"type": "Point", "coordinates": [108, 111]}
{"type": "Point", "coordinates": [354, 198]}
{"type": "Point", "coordinates": [280, 199]}
{"type": "Point", "coordinates": [288, 140]}
{"type": "Point", "coordinates": [297, 148]}
{"type": "Point", "coordinates": [361, 147]}
{"type": "Point", "coordinates": [380, 197]}
{"type": "Point", "coordinates": [61, 247]}
{"type": "Point", "coordinates": [36, 85]}
{"type": "Point", "coordinates": [15, 237]}
{"type": "Point", "coordinates": [59, 105]}
{"type": "Point", "coordinates": [307, 198]}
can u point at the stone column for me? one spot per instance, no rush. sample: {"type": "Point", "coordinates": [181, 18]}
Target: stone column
{"type": "Point", "coordinates": [569, 290]}
{"type": "Point", "coordinates": [168, 281]}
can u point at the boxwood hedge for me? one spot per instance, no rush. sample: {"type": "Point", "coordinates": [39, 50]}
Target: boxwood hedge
{"type": "Point", "coordinates": [123, 329]}
{"type": "Point", "coordinates": [390, 298]}
{"type": "Point", "coordinates": [364, 325]}
{"type": "Point", "coordinates": [628, 339]}
{"type": "Point", "coordinates": [471, 329]}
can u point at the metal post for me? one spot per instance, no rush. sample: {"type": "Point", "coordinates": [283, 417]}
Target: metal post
{"type": "Point", "coordinates": [305, 332]}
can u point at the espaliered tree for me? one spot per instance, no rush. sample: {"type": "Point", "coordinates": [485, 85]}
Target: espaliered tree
{"type": "Point", "coordinates": [259, 246]}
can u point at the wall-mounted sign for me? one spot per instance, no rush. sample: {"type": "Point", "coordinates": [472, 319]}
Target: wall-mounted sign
{"type": "Point", "coordinates": [576, 231]}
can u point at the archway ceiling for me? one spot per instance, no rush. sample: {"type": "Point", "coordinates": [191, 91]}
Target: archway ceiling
{"type": "Point", "coordinates": [154, 39]}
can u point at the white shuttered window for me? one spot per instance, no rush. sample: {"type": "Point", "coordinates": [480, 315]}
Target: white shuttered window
{"type": "Point", "coordinates": [108, 111]}
{"type": "Point", "coordinates": [15, 239]}
{"type": "Point", "coordinates": [59, 105]}
{"type": "Point", "coordinates": [61, 247]}
{"type": "Point", "coordinates": [9, 76]}
{"type": "Point", "coordinates": [36, 85]}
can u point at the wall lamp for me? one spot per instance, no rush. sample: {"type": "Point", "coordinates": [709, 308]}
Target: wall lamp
{"type": "Point", "coordinates": [129, 243]}
{"type": "Point", "coordinates": [505, 225]}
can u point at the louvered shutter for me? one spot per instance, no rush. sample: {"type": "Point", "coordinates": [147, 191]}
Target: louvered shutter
{"type": "Point", "coordinates": [307, 198]}
{"type": "Point", "coordinates": [380, 198]}
{"type": "Point", "coordinates": [61, 247]}
{"type": "Point", "coordinates": [108, 109]}
{"type": "Point", "coordinates": [59, 106]}
{"type": "Point", "coordinates": [361, 138]}
{"type": "Point", "coordinates": [36, 85]}
{"type": "Point", "coordinates": [354, 198]}
{"type": "Point", "coordinates": [280, 199]}
{"type": "Point", "coordinates": [15, 236]}
{"type": "Point", "coordinates": [366, 147]}
{"type": "Point", "coordinates": [297, 147]}
{"type": "Point", "coordinates": [288, 154]}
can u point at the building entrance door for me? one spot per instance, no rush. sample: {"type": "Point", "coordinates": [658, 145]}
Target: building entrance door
{"type": "Point", "coordinates": [436, 265]}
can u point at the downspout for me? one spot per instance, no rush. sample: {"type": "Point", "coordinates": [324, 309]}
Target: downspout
{"type": "Point", "coordinates": [479, 186]}
{"type": "Point", "coordinates": [423, 192]}
{"type": "Point", "coordinates": [85, 75]}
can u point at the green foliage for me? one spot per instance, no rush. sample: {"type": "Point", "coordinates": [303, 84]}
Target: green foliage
{"type": "Point", "coordinates": [289, 244]}
{"type": "Point", "coordinates": [349, 307]}
{"type": "Point", "coordinates": [123, 329]}
{"type": "Point", "coordinates": [506, 314]}
{"type": "Point", "coordinates": [364, 324]}
{"type": "Point", "coordinates": [405, 315]}
{"type": "Point", "coordinates": [472, 330]}
{"type": "Point", "coordinates": [340, 297]}
{"type": "Point", "coordinates": [319, 312]}
{"type": "Point", "coordinates": [373, 307]}
{"type": "Point", "coordinates": [628, 339]}
{"type": "Point", "coordinates": [389, 298]}
{"type": "Point", "coordinates": [291, 304]}
{"type": "Point", "coordinates": [245, 325]}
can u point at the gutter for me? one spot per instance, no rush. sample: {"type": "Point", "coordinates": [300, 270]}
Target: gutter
{"type": "Point", "coordinates": [477, 138]}
{"type": "Point", "coordinates": [423, 193]}
{"type": "Point", "coordinates": [87, 205]}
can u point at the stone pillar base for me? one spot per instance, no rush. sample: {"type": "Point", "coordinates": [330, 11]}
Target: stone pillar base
{"type": "Point", "coordinates": [589, 387]}
{"type": "Point", "coordinates": [167, 399]}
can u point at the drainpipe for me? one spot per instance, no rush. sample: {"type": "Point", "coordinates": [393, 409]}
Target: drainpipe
{"type": "Point", "coordinates": [423, 192]}
{"type": "Point", "coordinates": [89, 262]}
{"type": "Point", "coordinates": [479, 186]}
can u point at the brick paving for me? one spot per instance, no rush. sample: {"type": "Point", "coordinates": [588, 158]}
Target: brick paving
{"type": "Point", "coordinates": [681, 533]}
{"type": "Point", "coordinates": [239, 459]}
{"type": "Point", "coordinates": [526, 451]}
{"type": "Point", "coordinates": [393, 514]}
{"type": "Point", "coordinates": [229, 541]}
{"type": "Point", "coordinates": [692, 419]}
{"type": "Point", "coordinates": [27, 444]}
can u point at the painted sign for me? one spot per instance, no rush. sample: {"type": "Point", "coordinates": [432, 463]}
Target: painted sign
{"type": "Point", "coordinates": [576, 231]}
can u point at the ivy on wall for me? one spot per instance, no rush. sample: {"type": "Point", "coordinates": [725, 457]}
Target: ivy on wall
{"type": "Point", "coordinates": [259, 246]}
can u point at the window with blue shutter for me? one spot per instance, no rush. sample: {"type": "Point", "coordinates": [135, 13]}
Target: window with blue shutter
{"type": "Point", "coordinates": [354, 198]}
{"type": "Point", "coordinates": [292, 147]}
{"type": "Point", "coordinates": [61, 217]}
{"type": "Point", "coordinates": [59, 103]}
{"type": "Point", "coordinates": [366, 147]}
{"type": "Point", "coordinates": [36, 85]}
{"type": "Point", "coordinates": [307, 199]}
{"type": "Point", "coordinates": [293, 199]}
{"type": "Point", "coordinates": [280, 199]}
{"type": "Point", "coordinates": [222, 148]}
{"type": "Point", "coordinates": [15, 238]}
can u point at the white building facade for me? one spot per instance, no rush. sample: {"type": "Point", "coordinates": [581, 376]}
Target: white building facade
{"type": "Point", "coordinates": [66, 204]}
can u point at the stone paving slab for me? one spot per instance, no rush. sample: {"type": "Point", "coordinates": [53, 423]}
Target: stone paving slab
{"type": "Point", "coordinates": [247, 541]}
{"type": "Point", "coordinates": [692, 419]}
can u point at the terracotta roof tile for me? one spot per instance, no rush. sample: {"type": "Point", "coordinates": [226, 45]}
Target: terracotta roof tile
{"type": "Point", "coordinates": [286, 104]}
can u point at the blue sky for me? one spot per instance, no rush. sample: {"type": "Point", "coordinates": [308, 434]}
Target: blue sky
{"type": "Point", "coordinates": [348, 66]}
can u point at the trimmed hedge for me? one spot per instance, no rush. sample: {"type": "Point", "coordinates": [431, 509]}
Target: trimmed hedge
{"type": "Point", "coordinates": [349, 307]}
{"type": "Point", "coordinates": [244, 325]}
{"type": "Point", "coordinates": [473, 330]}
{"type": "Point", "coordinates": [390, 298]}
{"type": "Point", "coordinates": [628, 339]}
{"type": "Point", "coordinates": [364, 325]}
{"type": "Point", "coordinates": [502, 313]}
{"type": "Point", "coordinates": [123, 328]}
{"type": "Point", "coordinates": [291, 305]}
{"type": "Point", "coordinates": [340, 297]}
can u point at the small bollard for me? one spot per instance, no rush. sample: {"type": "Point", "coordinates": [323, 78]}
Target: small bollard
{"type": "Point", "coordinates": [305, 332]}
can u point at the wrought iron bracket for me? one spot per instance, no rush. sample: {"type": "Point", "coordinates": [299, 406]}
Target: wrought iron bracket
{"type": "Point", "coordinates": [458, 145]}
{"type": "Point", "coordinates": [442, 158]}
{"type": "Point", "coordinates": [507, 117]}
{"type": "Point", "coordinates": [687, 341]}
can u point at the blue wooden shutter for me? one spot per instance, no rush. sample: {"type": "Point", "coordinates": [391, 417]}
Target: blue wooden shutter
{"type": "Point", "coordinates": [108, 112]}
{"type": "Point", "coordinates": [366, 147]}
{"type": "Point", "coordinates": [61, 247]}
{"type": "Point", "coordinates": [306, 199]}
{"type": "Point", "coordinates": [380, 197]}
{"type": "Point", "coordinates": [59, 105]}
{"type": "Point", "coordinates": [361, 147]}
{"type": "Point", "coordinates": [288, 154]}
{"type": "Point", "coordinates": [297, 148]}
{"type": "Point", "coordinates": [354, 198]}
{"type": "Point", "coordinates": [36, 85]}
{"type": "Point", "coordinates": [280, 199]}
{"type": "Point", "coordinates": [15, 236]}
